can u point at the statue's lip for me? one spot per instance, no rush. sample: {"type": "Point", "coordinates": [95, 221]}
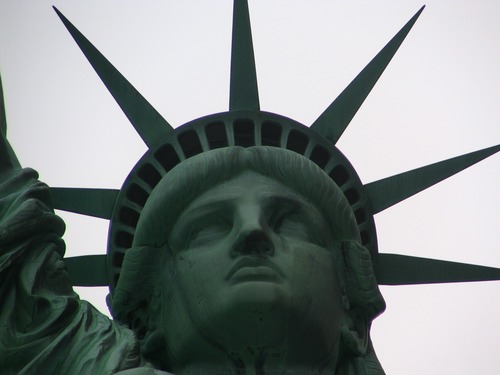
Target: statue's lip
{"type": "Point", "coordinates": [255, 262]}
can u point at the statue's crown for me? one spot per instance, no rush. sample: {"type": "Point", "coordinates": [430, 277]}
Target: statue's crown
{"type": "Point", "coordinates": [246, 125]}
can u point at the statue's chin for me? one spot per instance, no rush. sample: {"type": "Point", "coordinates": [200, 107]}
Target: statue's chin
{"type": "Point", "coordinates": [249, 323]}
{"type": "Point", "coordinates": [253, 314]}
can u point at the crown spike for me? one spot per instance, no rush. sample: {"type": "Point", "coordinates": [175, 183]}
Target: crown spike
{"type": "Point", "coordinates": [3, 117]}
{"type": "Point", "coordinates": [243, 93]}
{"type": "Point", "coordinates": [78, 270]}
{"type": "Point", "coordinates": [91, 202]}
{"type": "Point", "coordinates": [391, 190]}
{"type": "Point", "coordinates": [395, 269]}
{"type": "Point", "coordinates": [336, 118]}
{"type": "Point", "coordinates": [150, 125]}
{"type": "Point", "coordinates": [8, 159]}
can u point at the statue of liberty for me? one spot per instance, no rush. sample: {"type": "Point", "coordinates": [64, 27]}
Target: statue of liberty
{"type": "Point", "coordinates": [241, 242]}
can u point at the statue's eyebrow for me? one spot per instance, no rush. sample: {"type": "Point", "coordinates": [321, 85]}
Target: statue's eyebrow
{"type": "Point", "coordinates": [295, 201]}
{"type": "Point", "coordinates": [212, 205]}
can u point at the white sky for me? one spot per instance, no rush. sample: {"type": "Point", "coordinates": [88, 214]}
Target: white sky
{"type": "Point", "coordinates": [438, 99]}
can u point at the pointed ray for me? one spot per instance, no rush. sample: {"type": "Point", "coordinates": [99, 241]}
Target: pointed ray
{"type": "Point", "coordinates": [3, 117]}
{"type": "Point", "coordinates": [146, 120]}
{"type": "Point", "coordinates": [391, 190]}
{"type": "Point", "coordinates": [394, 269]}
{"type": "Point", "coordinates": [335, 119]}
{"type": "Point", "coordinates": [243, 92]}
{"type": "Point", "coordinates": [90, 202]}
{"type": "Point", "coordinates": [87, 270]}
{"type": "Point", "coordinates": [8, 159]}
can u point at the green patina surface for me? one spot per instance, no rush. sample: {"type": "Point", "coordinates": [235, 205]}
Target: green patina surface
{"type": "Point", "coordinates": [240, 243]}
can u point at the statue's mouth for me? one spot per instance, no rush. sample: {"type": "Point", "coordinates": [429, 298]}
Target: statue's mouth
{"type": "Point", "coordinates": [254, 268]}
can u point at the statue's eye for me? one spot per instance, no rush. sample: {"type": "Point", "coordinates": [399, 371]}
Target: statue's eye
{"type": "Point", "coordinates": [208, 231]}
{"type": "Point", "coordinates": [291, 222]}
{"type": "Point", "coordinates": [298, 223]}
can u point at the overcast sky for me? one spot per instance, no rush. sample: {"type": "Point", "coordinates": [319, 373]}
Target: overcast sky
{"type": "Point", "coordinates": [437, 99]}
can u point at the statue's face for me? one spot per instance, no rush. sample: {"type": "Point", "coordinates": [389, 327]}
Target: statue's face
{"type": "Point", "coordinates": [255, 264]}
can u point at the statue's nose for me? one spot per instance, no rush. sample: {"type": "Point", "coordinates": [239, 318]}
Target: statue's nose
{"type": "Point", "coordinates": [253, 242]}
{"type": "Point", "coordinates": [254, 235]}
{"type": "Point", "coordinates": [257, 242]}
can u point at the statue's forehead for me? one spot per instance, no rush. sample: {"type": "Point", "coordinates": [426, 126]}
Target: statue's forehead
{"type": "Point", "coordinates": [247, 187]}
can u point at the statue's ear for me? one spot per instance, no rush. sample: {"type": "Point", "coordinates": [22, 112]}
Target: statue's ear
{"type": "Point", "coordinates": [355, 333]}
{"type": "Point", "coordinates": [362, 298]}
{"type": "Point", "coordinates": [152, 341]}
{"type": "Point", "coordinates": [137, 283]}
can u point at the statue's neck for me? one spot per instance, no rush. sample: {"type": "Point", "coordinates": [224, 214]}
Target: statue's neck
{"type": "Point", "coordinates": [292, 360]}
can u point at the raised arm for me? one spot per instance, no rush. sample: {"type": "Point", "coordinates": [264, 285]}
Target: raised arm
{"type": "Point", "coordinates": [44, 327]}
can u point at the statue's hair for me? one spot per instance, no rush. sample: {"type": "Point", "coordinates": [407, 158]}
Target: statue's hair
{"type": "Point", "coordinates": [198, 174]}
